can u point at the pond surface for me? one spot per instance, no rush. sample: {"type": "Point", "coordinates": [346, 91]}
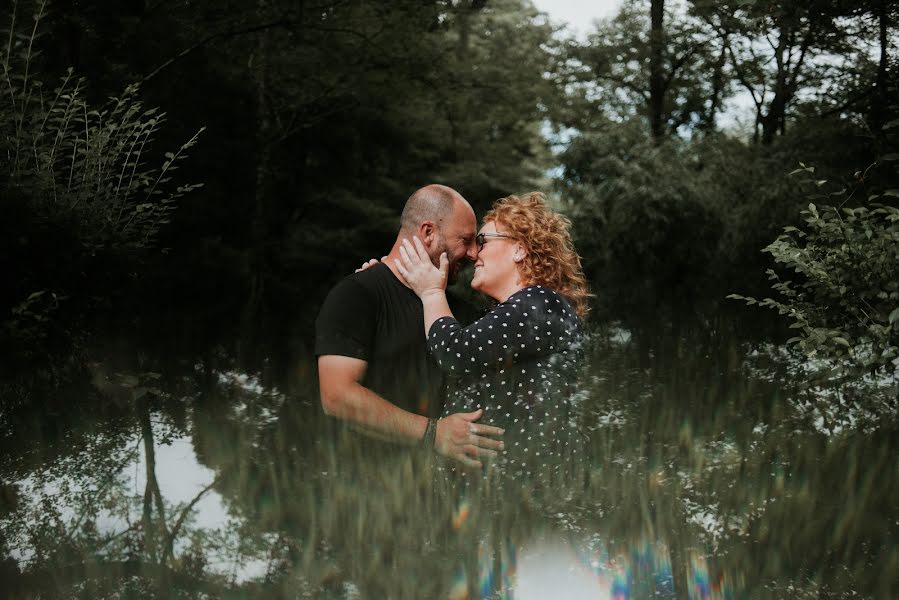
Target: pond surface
{"type": "Point", "coordinates": [716, 469]}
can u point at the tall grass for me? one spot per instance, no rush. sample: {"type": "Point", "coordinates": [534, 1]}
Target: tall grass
{"type": "Point", "coordinates": [77, 183]}
{"type": "Point", "coordinates": [77, 164]}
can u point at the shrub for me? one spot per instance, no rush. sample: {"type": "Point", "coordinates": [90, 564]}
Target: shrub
{"type": "Point", "coordinates": [643, 220]}
{"type": "Point", "coordinates": [844, 298]}
{"type": "Point", "coordinates": [81, 165]}
{"type": "Point", "coordinates": [77, 182]}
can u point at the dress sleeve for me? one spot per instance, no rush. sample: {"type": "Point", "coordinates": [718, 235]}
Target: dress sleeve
{"type": "Point", "coordinates": [346, 321]}
{"type": "Point", "coordinates": [527, 325]}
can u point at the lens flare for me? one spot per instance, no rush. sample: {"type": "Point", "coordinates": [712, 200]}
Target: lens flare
{"type": "Point", "coordinates": [461, 514]}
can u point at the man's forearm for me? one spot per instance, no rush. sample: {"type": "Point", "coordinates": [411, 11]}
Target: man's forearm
{"type": "Point", "coordinates": [358, 405]}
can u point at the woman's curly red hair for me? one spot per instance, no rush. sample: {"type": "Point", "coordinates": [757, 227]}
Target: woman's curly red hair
{"type": "Point", "coordinates": [551, 258]}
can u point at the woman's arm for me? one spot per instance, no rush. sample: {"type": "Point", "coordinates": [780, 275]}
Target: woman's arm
{"type": "Point", "coordinates": [534, 322]}
{"type": "Point", "coordinates": [426, 280]}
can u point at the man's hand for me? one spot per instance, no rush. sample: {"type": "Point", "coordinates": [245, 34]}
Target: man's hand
{"type": "Point", "coordinates": [460, 438]}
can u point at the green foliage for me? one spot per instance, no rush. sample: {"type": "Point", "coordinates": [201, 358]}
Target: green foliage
{"type": "Point", "coordinates": [609, 73]}
{"type": "Point", "coordinates": [843, 296]}
{"type": "Point", "coordinates": [323, 117]}
{"type": "Point", "coordinates": [681, 222]}
{"type": "Point", "coordinates": [29, 321]}
{"type": "Point", "coordinates": [642, 219]}
{"type": "Point", "coordinates": [77, 181]}
{"type": "Point", "coordinates": [327, 116]}
{"type": "Point", "coordinates": [681, 218]}
{"type": "Point", "coordinates": [83, 166]}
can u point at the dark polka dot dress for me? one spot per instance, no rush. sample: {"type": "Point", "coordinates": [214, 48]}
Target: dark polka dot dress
{"type": "Point", "coordinates": [519, 363]}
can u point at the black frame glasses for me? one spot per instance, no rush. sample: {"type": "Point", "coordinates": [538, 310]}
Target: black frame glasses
{"type": "Point", "coordinates": [481, 238]}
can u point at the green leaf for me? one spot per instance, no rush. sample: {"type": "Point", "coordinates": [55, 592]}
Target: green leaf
{"type": "Point", "coordinates": [803, 169]}
{"type": "Point", "coordinates": [842, 341]}
{"type": "Point", "coordinates": [894, 315]}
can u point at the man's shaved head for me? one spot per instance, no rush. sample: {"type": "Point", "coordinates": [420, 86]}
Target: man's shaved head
{"type": "Point", "coordinates": [445, 222]}
{"type": "Point", "coordinates": [431, 203]}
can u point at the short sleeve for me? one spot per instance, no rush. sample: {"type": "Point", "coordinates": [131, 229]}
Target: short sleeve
{"type": "Point", "coordinates": [346, 321]}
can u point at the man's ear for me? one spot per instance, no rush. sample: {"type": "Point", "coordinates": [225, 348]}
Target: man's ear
{"type": "Point", "coordinates": [427, 232]}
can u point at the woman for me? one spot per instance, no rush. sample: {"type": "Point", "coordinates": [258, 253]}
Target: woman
{"type": "Point", "coordinates": [518, 363]}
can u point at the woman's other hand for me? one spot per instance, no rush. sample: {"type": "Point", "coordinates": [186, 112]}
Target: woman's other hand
{"type": "Point", "coordinates": [369, 263]}
{"type": "Point", "coordinates": [419, 272]}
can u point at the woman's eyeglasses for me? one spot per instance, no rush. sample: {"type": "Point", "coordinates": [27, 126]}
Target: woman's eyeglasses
{"type": "Point", "coordinates": [481, 238]}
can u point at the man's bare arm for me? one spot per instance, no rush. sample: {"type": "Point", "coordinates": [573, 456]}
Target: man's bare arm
{"type": "Point", "coordinates": [344, 397]}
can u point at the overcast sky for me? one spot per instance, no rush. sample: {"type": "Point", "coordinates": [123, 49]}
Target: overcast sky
{"type": "Point", "coordinates": [578, 15]}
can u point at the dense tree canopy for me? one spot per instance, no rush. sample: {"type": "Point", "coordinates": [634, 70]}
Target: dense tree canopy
{"type": "Point", "coordinates": [182, 181]}
{"type": "Point", "coordinates": [319, 118]}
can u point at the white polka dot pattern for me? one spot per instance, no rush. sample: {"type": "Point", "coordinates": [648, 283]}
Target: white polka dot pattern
{"type": "Point", "coordinates": [524, 386]}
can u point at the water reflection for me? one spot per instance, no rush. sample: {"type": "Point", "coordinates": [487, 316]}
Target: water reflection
{"type": "Point", "coordinates": [705, 479]}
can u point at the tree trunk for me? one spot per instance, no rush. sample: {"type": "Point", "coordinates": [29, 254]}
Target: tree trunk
{"type": "Point", "coordinates": [775, 121]}
{"type": "Point", "coordinates": [679, 570]}
{"type": "Point", "coordinates": [464, 25]}
{"type": "Point", "coordinates": [772, 122]}
{"type": "Point", "coordinates": [879, 99]}
{"type": "Point", "coordinates": [463, 19]}
{"type": "Point", "coordinates": [677, 548]}
{"type": "Point", "coordinates": [717, 87]}
{"type": "Point", "coordinates": [252, 312]}
{"type": "Point", "coordinates": [263, 136]}
{"type": "Point", "coordinates": [656, 79]}
{"type": "Point", "coordinates": [155, 529]}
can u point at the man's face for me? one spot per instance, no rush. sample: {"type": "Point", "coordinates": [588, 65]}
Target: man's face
{"type": "Point", "coordinates": [457, 239]}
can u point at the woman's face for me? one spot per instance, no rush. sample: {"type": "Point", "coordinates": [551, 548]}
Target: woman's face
{"type": "Point", "coordinates": [495, 270]}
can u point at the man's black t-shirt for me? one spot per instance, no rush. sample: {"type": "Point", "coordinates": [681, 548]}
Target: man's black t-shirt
{"type": "Point", "coordinates": [371, 316]}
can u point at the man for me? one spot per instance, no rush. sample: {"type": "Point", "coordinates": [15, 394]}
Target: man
{"type": "Point", "coordinates": [374, 369]}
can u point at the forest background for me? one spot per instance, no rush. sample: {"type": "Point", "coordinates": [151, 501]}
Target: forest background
{"type": "Point", "coordinates": [210, 169]}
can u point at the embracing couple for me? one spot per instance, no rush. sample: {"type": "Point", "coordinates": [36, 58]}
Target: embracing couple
{"type": "Point", "coordinates": [401, 359]}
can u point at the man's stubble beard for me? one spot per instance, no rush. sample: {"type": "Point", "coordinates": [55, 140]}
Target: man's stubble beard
{"type": "Point", "coordinates": [453, 273]}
